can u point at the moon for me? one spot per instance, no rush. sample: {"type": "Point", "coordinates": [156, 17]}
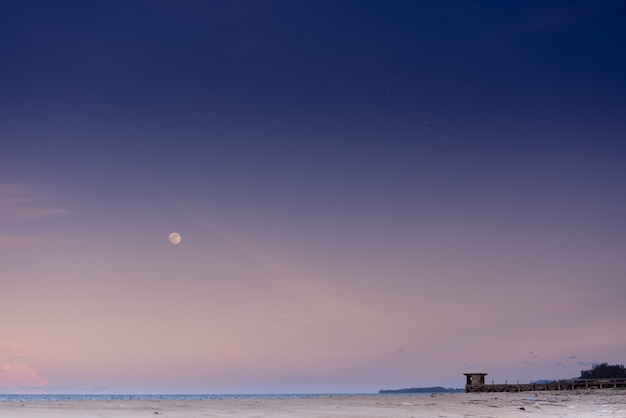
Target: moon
{"type": "Point", "coordinates": [175, 238]}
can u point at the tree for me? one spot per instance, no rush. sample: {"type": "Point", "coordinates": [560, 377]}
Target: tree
{"type": "Point", "coordinates": [604, 371]}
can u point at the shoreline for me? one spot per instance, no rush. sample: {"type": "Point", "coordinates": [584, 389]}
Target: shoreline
{"type": "Point", "coordinates": [590, 403]}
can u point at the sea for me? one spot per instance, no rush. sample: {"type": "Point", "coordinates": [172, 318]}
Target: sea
{"type": "Point", "coordinates": [101, 397]}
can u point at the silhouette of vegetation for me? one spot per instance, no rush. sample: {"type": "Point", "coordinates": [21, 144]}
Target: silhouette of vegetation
{"type": "Point", "coordinates": [604, 371]}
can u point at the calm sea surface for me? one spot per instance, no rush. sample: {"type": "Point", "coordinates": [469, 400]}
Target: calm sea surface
{"type": "Point", "coordinates": [56, 398]}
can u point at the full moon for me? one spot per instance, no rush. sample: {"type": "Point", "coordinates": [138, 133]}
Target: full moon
{"type": "Point", "coordinates": [175, 238]}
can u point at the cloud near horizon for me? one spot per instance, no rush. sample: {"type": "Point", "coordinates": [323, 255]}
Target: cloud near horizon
{"type": "Point", "coordinates": [16, 374]}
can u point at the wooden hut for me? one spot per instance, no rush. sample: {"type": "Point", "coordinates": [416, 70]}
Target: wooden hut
{"type": "Point", "coordinates": [474, 380]}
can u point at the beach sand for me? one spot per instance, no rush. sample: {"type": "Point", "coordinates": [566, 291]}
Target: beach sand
{"type": "Point", "coordinates": [596, 403]}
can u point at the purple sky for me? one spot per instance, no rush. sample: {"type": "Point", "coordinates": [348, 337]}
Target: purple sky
{"type": "Point", "coordinates": [370, 194]}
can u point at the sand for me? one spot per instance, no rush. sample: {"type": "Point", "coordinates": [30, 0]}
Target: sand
{"type": "Point", "coordinates": [596, 403]}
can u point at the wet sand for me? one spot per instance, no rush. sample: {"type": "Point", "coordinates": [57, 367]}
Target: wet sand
{"type": "Point", "coordinates": [595, 403]}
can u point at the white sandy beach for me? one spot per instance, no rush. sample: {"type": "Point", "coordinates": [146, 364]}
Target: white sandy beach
{"type": "Point", "coordinates": [597, 403]}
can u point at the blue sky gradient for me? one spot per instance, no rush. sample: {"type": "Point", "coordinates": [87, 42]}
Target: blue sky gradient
{"type": "Point", "coordinates": [371, 194]}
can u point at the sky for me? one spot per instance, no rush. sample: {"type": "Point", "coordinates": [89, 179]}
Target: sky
{"type": "Point", "coordinates": [371, 194]}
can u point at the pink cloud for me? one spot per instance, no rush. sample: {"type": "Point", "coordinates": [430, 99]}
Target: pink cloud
{"type": "Point", "coordinates": [16, 374]}
{"type": "Point", "coordinates": [20, 375]}
{"type": "Point", "coordinates": [12, 241]}
{"type": "Point", "coordinates": [18, 204]}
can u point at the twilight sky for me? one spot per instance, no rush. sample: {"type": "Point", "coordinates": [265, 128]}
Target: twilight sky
{"type": "Point", "coordinates": [371, 194]}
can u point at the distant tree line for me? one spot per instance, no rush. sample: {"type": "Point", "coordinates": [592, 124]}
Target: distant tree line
{"type": "Point", "coordinates": [604, 371]}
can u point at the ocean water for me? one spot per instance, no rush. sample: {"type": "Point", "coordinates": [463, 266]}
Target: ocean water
{"type": "Point", "coordinates": [67, 398]}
